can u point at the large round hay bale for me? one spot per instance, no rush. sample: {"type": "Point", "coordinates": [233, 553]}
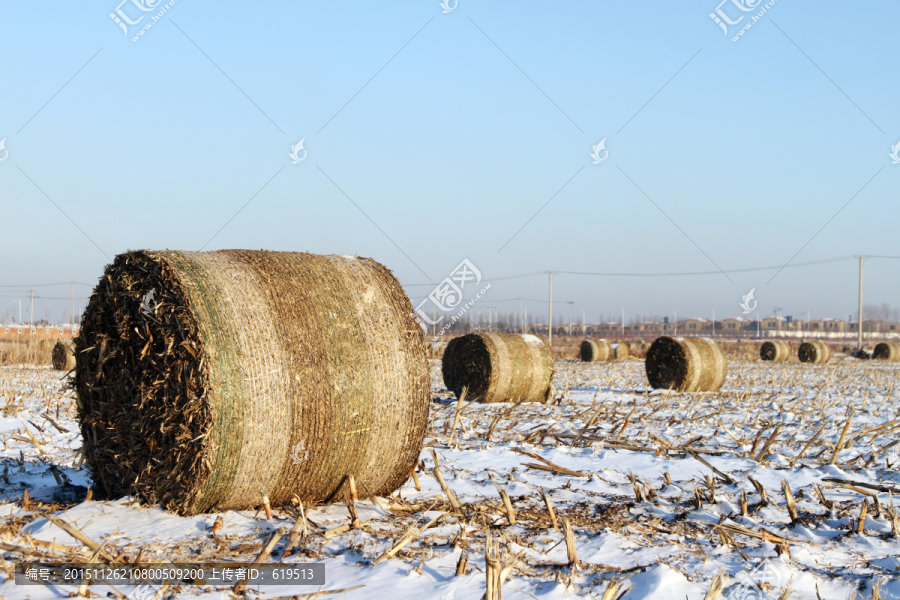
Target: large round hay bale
{"type": "Point", "coordinates": [620, 351]}
{"type": "Point", "coordinates": [814, 352]}
{"type": "Point", "coordinates": [206, 380]}
{"type": "Point", "coordinates": [595, 351]}
{"type": "Point", "coordinates": [498, 367]}
{"type": "Point", "coordinates": [686, 364]}
{"type": "Point", "coordinates": [62, 357]}
{"type": "Point", "coordinates": [776, 351]}
{"type": "Point", "coordinates": [889, 351]}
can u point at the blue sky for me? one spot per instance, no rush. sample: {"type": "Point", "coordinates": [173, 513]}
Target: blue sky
{"type": "Point", "coordinates": [450, 131]}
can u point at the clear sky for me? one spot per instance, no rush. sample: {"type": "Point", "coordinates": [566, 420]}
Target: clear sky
{"type": "Point", "coordinates": [433, 137]}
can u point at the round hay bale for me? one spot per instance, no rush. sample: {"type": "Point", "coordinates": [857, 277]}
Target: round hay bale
{"type": "Point", "coordinates": [498, 367]}
{"type": "Point", "coordinates": [889, 351]}
{"type": "Point", "coordinates": [814, 352]}
{"type": "Point", "coordinates": [686, 364]}
{"type": "Point", "coordinates": [62, 357]}
{"type": "Point", "coordinates": [620, 351]}
{"type": "Point", "coordinates": [776, 351]}
{"type": "Point", "coordinates": [206, 380]}
{"type": "Point", "coordinates": [595, 351]}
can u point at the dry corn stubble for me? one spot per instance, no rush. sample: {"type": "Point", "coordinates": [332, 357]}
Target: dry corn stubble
{"type": "Point", "coordinates": [249, 374]}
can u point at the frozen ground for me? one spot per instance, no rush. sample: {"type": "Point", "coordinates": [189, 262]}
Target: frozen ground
{"type": "Point", "coordinates": [625, 468]}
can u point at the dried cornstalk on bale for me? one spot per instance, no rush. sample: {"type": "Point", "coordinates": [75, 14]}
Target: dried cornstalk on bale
{"type": "Point", "coordinates": [595, 351]}
{"type": "Point", "coordinates": [498, 367]}
{"type": "Point", "coordinates": [207, 380]}
{"type": "Point", "coordinates": [686, 364]}
{"type": "Point", "coordinates": [814, 352]}
{"type": "Point", "coordinates": [887, 351]}
{"type": "Point", "coordinates": [776, 351]}
{"type": "Point", "coordinates": [620, 351]}
{"type": "Point", "coordinates": [62, 357]}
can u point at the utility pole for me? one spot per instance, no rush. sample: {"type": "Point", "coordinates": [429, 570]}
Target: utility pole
{"type": "Point", "coordinates": [676, 324]}
{"type": "Point", "coordinates": [623, 322]}
{"type": "Point", "coordinates": [570, 317]}
{"type": "Point", "coordinates": [550, 327]}
{"type": "Point", "coordinates": [714, 322]}
{"type": "Point", "coordinates": [860, 332]}
{"type": "Point", "coordinates": [32, 308]}
{"type": "Point", "coordinates": [758, 334]}
{"type": "Point", "coordinates": [584, 323]}
{"type": "Point", "coordinates": [521, 317]}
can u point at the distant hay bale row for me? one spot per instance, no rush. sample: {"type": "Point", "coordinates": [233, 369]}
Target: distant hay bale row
{"type": "Point", "coordinates": [208, 379]}
{"type": "Point", "coordinates": [686, 364]}
{"type": "Point", "coordinates": [602, 350]}
{"type": "Point", "coordinates": [888, 351]}
{"type": "Point", "coordinates": [775, 351]}
{"type": "Point", "coordinates": [498, 367]}
{"type": "Point", "coordinates": [814, 352]}
{"type": "Point", "coordinates": [62, 357]}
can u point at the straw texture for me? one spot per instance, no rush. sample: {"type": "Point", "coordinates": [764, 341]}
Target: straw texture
{"type": "Point", "coordinates": [776, 351]}
{"type": "Point", "coordinates": [498, 367]}
{"type": "Point", "coordinates": [595, 350]}
{"type": "Point", "coordinates": [814, 352]}
{"type": "Point", "coordinates": [887, 351]}
{"type": "Point", "coordinates": [686, 364]}
{"type": "Point", "coordinates": [249, 374]}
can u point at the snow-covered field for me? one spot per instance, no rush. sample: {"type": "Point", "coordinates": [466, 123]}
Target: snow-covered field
{"type": "Point", "coordinates": [658, 489]}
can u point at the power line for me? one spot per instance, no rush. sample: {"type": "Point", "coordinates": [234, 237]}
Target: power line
{"type": "Point", "coordinates": [671, 274]}
{"type": "Point", "coordinates": [686, 273]}
{"type": "Point", "coordinates": [45, 297]}
{"type": "Point", "coordinates": [31, 285]}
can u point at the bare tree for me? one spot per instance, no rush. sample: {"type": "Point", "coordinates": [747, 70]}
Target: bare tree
{"type": "Point", "coordinates": [883, 312]}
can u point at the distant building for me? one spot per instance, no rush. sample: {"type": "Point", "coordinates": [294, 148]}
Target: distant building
{"type": "Point", "coordinates": [834, 325]}
{"type": "Point", "coordinates": [694, 326]}
{"type": "Point", "coordinates": [23, 331]}
{"type": "Point", "coordinates": [734, 325]}
{"type": "Point", "coordinates": [772, 324]}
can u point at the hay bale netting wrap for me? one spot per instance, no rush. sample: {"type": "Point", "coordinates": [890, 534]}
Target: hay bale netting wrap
{"type": "Point", "coordinates": [498, 367]}
{"type": "Point", "coordinates": [686, 364]}
{"type": "Point", "coordinates": [814, 352]}
{"type": "Point", "coordinates": [595, 351]}
{"type": "Point", "coordinates": [249, 373]}
{"type": "Point", "coordinates": [62, 357]}
{"type": "Point", "coordinates": [776, 351]}
{"type": "Point", "coordinates": [889, 351]}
